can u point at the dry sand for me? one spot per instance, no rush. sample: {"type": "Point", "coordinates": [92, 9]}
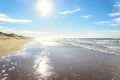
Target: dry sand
{"type": "Point", "coordinates": [11, 45]}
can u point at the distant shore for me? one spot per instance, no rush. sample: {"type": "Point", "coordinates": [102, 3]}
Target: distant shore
{"type": "Point", "coordinates": [9, 46]}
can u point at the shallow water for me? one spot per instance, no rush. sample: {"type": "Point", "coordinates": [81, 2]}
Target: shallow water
{"type": "Point", "coordinates": [49, 60]}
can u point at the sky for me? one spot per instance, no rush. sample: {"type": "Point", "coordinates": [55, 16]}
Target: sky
{"type": "Point", "coordinates": [61, 18]}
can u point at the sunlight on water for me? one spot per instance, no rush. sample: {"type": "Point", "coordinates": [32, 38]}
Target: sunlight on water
{"type": "Point", "coordinates": [48, 41]}
{"type": "Point", "coordinates": [42, 66]}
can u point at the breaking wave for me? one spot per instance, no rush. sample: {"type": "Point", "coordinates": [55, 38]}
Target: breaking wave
{"type": "Point", "coordinates": [107, 45]}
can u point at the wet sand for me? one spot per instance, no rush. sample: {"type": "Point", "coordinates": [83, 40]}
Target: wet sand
{"type": "Point", "coordinates": [59, 62]}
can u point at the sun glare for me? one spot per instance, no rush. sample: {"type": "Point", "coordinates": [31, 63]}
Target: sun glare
{"type": "Point", "coordinates": [45, 7]}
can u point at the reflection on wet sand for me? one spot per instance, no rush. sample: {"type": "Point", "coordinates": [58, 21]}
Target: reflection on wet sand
{"type": "Point", "coordinates": [42, 65]}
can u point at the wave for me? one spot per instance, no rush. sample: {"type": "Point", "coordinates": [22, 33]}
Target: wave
{"type": "Point", "coordinates": [111, 46]}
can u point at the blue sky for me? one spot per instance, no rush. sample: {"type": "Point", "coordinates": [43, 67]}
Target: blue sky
{"type": "Point", "coordinates": [63, 18]}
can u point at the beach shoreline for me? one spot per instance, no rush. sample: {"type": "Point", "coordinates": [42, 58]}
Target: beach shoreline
{"type": "Point", "coordinates": [60, 62]}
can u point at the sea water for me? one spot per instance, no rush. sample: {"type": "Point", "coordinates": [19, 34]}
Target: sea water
{"type": "Point", "coordinates": [105, 45]}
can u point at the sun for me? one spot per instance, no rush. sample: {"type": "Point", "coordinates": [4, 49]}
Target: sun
{"type": "Point", "coordinates": [45, 7]}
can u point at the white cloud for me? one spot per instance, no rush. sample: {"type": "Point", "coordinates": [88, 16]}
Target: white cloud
{"type": "Point", "coordinates": [117, 10]}
{"type": "Point", "coordinates": [117, 20]}
{"type": "Point", "coordinates": [6, 19]}
{"type": "Point", "coordinates": [86, 16]}
{"type": "Point", "coordinates": [117, 5]}
{"type": "Point", "coordinates": [113, 22]}
{"type": "Point", "coordinates": [69, 11]}
{"type": "Point", "coordinates": [114, 14]}
{"type": "Point", "coordinates": [102, 22]}
{"type": "Point", "coordinates": [3, 15]}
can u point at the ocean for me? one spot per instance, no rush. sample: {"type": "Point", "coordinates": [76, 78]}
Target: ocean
{"type": "Point", "coordinates": [104, 45]}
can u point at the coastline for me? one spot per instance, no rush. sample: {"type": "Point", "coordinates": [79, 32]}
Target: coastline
{"type": "Point", "coordinates": [61, 62]}
{"type": "Point", "coordinates": [9, 46]}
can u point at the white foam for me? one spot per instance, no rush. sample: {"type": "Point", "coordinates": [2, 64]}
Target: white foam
{"type": "Point", "coordinates": [12, 63]}
{"type": "Point", "coordinates": [11, 68]}
{"type": "Point", "coordinates": [4, 78]}
{"type": "Point", "coordinates": [3, 71]}
{"type": "Point", "coordinates": [105, 46]}
{"type": "Point", "coordinates": [4, 66]}
{"type": "Point", "coordinates": [5, 74]}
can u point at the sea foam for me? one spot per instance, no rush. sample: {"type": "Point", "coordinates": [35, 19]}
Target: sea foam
{"type": "Point", "coordinates": [105, 45]}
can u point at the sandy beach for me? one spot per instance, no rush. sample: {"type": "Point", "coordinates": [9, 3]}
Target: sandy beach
{"type": "Point", "coordinates": [11, 45]}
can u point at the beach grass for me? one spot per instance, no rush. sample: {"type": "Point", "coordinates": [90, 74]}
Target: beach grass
{"type": "Point", "coordinates": [12, 45]}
